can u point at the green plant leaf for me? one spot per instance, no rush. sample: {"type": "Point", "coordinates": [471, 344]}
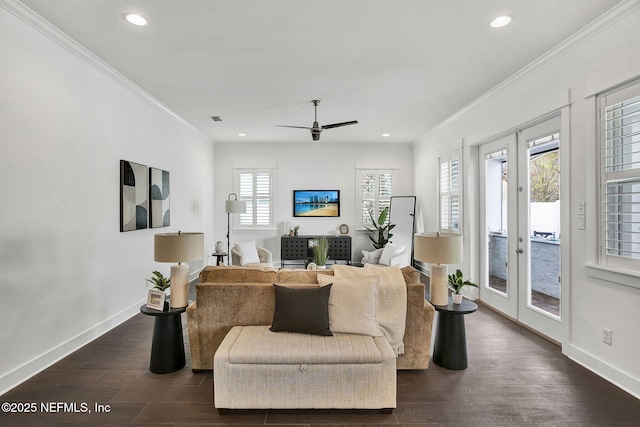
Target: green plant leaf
{"type": "Point", "coordinates": [380, 231]}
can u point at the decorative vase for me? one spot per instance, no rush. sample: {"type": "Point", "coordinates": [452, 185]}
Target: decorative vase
{"type": "Point", "coordinates": [219, 247]}
{"type": "Point", "coordinates": [457, 298]}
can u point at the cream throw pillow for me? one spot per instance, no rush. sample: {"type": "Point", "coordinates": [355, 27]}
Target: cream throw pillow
{"type": "Point", "coordinates": [353, 305]}
{"type": "Point", "coordinates": [248, 252]}
{"type": "Point", "coordinates": [371, 257]}
{"type": "Point", "coordinates": [390, 250]}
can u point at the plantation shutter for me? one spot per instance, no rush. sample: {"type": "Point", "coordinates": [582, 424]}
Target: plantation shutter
{"type": "Point", "coordinates": [621, 174]}
{"type": "Point", "coordinates": [450, 192]}
{"type": "Point", "coordinates": [254, 187]}
{"type": "Point", "coordinates": [376, 189]}
{"type": "Point", "coordinates": [385, 191]}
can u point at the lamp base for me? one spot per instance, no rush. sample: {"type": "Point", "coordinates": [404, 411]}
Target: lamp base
{"type": "Point", "coordinates": [439, 278]}
{"type": "Point", "coordinates": [179, 285]}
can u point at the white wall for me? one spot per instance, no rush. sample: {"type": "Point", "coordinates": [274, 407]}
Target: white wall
{"type": "Point", "coordinates": [308, 165]}
{"type": "Point", "coordinates": [68, 273]}
{"type": "Point", "coordinates": [601, 57]}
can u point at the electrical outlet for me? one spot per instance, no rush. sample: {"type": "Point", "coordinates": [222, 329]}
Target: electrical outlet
{"type": "Point", "coordinates": [607, 336]}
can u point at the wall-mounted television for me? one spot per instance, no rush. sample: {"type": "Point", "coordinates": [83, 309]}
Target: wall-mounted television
{"type": "Point", "coordinates": [316, 203]}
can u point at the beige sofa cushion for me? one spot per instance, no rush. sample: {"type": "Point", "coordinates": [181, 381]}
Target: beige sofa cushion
{"type": "Point", "coordinates": [300, 276]}
{"type": "Point", "coordinates": [238, 274]}
{"type": "Point", "coordinates": [258, 345]}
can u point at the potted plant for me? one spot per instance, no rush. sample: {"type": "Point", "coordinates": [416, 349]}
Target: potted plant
{"type": "Point", "coordinates": [380, 230]}
{"type": "Point", "coordinates": [159, 282]}
{"type": "Point", "coordinates": [321, 252]}
{"type": "Point", "coordinates": [456, 283]}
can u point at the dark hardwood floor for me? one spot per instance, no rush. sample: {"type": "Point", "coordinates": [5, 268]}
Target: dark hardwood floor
{"type": "Point", "coordinates": [515, 378]}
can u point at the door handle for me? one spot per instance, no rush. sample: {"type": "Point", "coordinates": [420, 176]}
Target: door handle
{"type": "Point", "coordinates": [519, 251]}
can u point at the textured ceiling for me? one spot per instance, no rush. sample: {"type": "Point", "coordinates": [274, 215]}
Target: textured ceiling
{"type": "Point", "coordinates": [398, 67]}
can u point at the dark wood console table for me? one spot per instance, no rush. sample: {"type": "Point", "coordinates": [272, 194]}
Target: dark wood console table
{"type": "Point", "coordinates": [299, 250]}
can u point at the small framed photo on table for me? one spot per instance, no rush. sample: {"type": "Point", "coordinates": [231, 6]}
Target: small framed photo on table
{"type": "Point", "coordinates": [155, 300]}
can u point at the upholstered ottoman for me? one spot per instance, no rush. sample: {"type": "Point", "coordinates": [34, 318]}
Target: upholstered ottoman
{"type": "Point", "coordinates": [255, 368]}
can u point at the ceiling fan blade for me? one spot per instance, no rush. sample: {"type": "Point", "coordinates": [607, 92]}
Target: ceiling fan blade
{"type": "Point", "coordinates": [295, 127]}
{"type": "Point", "coordinates": [337, 125]}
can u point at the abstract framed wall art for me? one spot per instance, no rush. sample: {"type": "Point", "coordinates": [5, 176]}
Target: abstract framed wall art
{"type": "Point", "coordinates": [134, 196]}
{"type": "Point", "coordinates": [159, 192]}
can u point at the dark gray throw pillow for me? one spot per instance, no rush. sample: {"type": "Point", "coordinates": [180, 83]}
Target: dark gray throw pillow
{"type": "Point", "coordinates": [304, 310]}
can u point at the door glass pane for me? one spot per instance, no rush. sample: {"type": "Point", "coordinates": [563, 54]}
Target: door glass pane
{"type": "Point", "coordinates": [544, 215]}
{"type": "Point", "coordinates": [496, 215]}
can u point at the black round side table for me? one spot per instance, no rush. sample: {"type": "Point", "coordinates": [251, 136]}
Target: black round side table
{"type": "Point", "coordinates": [450, 346]}
{"type": "Point", "coordinates": [167, 346]}
{"type": "Point", "coordinates": [219, 257]}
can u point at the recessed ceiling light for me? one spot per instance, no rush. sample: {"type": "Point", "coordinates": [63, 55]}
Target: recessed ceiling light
{"type": "Point", "coordinates": [135, 19]}
{"type": "Point", "coordinates": [386, 134]}
{"type": "Point", "coordinates": [500, 21]}
{"type": "Point", "coordinates": [242, 134]}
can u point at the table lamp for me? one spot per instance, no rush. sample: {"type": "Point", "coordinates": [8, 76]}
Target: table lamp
{"type": "Point", "coordinates": [233, 206]}
{"type": "Point", "coordinates": [179, 247]}
{"type": "Point", "coordinates": [438, 249]}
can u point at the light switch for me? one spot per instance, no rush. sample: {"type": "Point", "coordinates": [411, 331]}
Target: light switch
{"type": "Point", "coordinates": [581, 208]}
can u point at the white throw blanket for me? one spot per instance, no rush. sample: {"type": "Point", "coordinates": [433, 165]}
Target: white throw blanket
{"type": "Point", "coordinates": [392, 299]}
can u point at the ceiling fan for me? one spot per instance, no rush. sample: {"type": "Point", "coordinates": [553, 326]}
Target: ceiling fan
{"type": "Point", "coordinates": [316, 128]}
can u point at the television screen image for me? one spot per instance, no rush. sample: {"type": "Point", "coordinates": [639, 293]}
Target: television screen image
{"type": "Point", "coordinates": [316, 203]}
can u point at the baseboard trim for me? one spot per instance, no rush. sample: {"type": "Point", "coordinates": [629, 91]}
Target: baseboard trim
{"type": "Point", "coordinates": [33, 367]}
{"type": "Point", "coordinates": [615, 376]}
{"type": "Point", "coordinates": [519, 323]}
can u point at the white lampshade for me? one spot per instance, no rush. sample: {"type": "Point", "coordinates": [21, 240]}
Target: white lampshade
{"type": "Point", "coordinates": [178, 247]}
{"type": "Point", "coordinates": [438, 248]}
{"type": "Point", "coordinates": [235, 206]}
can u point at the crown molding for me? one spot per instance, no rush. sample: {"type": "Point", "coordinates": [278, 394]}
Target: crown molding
{"type": "Point", "coordinates": [601, 23]}
{"type": "Point", "coordinates": [34, 20]}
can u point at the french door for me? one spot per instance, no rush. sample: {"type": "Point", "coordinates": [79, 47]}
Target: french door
{"type": "Point", "coordinates": [520, 223]}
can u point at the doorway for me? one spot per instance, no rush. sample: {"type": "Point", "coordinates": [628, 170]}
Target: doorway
{"type": "Point", "coordinates": [521, 226]}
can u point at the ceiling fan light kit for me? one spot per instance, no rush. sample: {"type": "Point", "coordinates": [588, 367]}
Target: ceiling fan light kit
{"type": "Point", "coordinates": [316, 129]}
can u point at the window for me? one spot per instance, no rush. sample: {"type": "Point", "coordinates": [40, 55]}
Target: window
{"type": "Point", "coordinates": [255, 187]}
{"type": "Point", "coordinates": [450, 203]}
{"type": "Point", "coordinates": [375, 188]}
{"type": "Point", "coordinates": [620, 177]}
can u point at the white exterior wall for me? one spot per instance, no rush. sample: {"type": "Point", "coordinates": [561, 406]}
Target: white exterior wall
{"type": "Point", "coordinates": [591, 62]}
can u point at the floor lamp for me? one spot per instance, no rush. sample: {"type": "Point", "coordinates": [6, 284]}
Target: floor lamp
{"type": "Point", "coordinates": [179, 247]}
{"type": "Point", "coordinates": [438, 249]}
{"type": "Point", "coordinates": [232, 206]}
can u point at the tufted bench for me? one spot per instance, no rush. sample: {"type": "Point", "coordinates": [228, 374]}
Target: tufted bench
{"type": "Point", "coordinates": [255, 368]}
